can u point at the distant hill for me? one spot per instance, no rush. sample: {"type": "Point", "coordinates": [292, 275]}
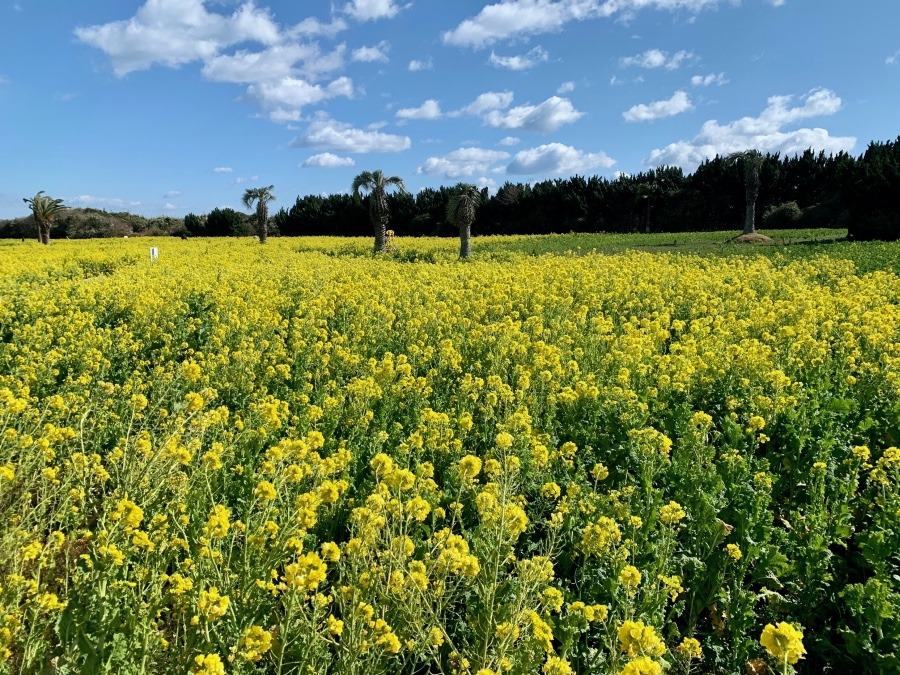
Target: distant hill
{"type": "Point", "coordinates": [94, 223]}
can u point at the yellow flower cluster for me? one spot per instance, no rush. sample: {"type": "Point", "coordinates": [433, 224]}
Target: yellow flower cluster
{"type": "Point", "coordinates": [241, 457]}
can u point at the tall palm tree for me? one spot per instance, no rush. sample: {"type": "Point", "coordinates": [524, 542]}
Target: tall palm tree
{"type": "Point", "coordinates": [262, 196]}
{"type": "Point", "coordinates": [44, 208]}
{"type": "Point", "coordinates": [375, 184]}
{"type": "Point", "coordinates": [461, 212]}
{"type": "Point", "coordinates": [751, 162]}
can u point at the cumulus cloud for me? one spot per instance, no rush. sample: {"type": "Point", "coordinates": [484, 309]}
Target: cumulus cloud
{"type": "Point", "coordinates": [462, 162]}
{"type": "Point", "coordinates": [429, 110]}
{"type": "Point", "coordinates": [175, 32]}
{"type": "Point", "coordinates": [565, 88]}
{"type": "Point", "coordinates": [485, 182]}
{"type": "Point", "coordinates": [327, 160]}
{"type": "Point", "coordinates": [285, 98]}
{"type": "Point", "coordinates": [172, 194]}
{"type": "Point", "coordinates": [544, 117]}
{"type": "Point", "coordinates": [328, 134]}
{"type": "Point", "coordinates": [656, 58]}
{"type": "Point", "coordinates": [415, 65]}
{"type": "Point", "coordinates": [717, 79]}
{"type": "Point", "coordinates": [246, 66]}
{"type": "Point", "coordinates": [679, 103]}
{"type": "Point", "coordinates": [369, 10]}
{"type": "Point", "coordinates": [313, 27]}
{"type": "Point", "coordinates": [510, 19]}
{"type": "Point", "coordinates": [522, 61]}
{"type": "Point", "coordinates": [893, 58]}
{"type": "Point", "coordinates": [510, 140]}
{"type": "Point", "coordinates": [282, 74]}
{"type": "Point", "coordinates": [374, 53]}
{"type": "Point", "coordinates": [765, 133]}
{"type": "Point", "coordinates": [223, 169]}
{"type": "Point", "coordinates": [489, 100]}
{"type": "Point", "coordinates": [557, 159]}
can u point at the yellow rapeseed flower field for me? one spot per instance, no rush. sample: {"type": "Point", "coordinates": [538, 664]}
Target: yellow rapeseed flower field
{"type": "Point", "coordinates": [247, 459]}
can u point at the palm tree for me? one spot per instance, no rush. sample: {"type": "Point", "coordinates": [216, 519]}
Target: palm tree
{"type": "Point", "coordinates": [262, 196]}
{"type": "Point", "coordinates": [461, 212]}
{"type": "Point", "coordinates": [44, 208]}
{"type": "Point", "coordinates": [751, 162]}
{"type": "Point", "coordinates": [376, 184]}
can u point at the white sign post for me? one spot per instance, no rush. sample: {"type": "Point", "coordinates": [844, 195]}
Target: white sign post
{"type": "Point", "coordinates": [154, 253]}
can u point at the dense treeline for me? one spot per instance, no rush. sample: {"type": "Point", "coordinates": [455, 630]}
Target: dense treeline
{"type": "Point", "coordinates": [94, 224]}
{"type": "Point", "coordinates": [806, 190]}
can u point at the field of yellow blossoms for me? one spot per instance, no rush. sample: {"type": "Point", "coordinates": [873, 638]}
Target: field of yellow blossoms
{"type": "Point", "coordinates": [252, 459]}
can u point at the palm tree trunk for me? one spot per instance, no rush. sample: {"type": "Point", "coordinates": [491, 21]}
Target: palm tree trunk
{"type": "Point", "coordinates": [750, 213]}
{"type": "Point", "coordinates": [379, 216]}
{"type": "Point", "coordinates": [44, 233]}
{"type": "Point", "coordinates": [751, 187]}
{"type": "Point", "coordinates": [750, 217]}
{"type": "Point", "coordinates": [465, 240]}
{"type": "Point", "coordinates": [262, 218]}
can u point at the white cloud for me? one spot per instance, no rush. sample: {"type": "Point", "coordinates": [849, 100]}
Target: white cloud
{"type": "Point", "coordinates": [510, 140]}
{"type": "Point", "coordinates": [490, 100]}
{"type": "Point", "coordinates": [764, 133]}
{"type": "Point", "coordinates": [679, 103]}
{"type": "Point", "coordinates": [327, 160]}
{"type": "Point", "coordinates": [328, 134]}
{"type": "Point", "coordinates": [175, 32]}
{"type": "Point", "coordinates": [172, 194]}
{"type": "Point", "coordinates": [416, 65]}
{"type": "Point", "coordinates": [462, 162]}
{"type": "Point", "coordinates": [776, 3]}
{"type": "Point", "coordinates": [368, 10]}
{"type": "Point", "coordinates": [429, 110]}
{"type": "Point", "coordinates": [510, 19]}
{"type": "Point", "coordinates": [717, 79]}
{"type": "Point", "coordinates": [374, 53]}
{"type": "Point", "coordinates": [223, 169]}
{"type": "Point", "coordinates": [285, 98]}
{"type": "Point", "coordinates": [485, 182]}
{"type": "Point", "coordinates": [565, 88]}
{"type": "Point", "coordinates": [169, 206]}
{"type": "Point", "coordinates": [656, 58]}
{"type": "Point", "coordinates": [522, 61]}
{"type": "Point", "coordinates": [893, 58]}
{"type": "Point", "coordinates": [92, 201]}
{"type": "Point", "coordinates": [544, 117]}
{"type": "Point", "coordinates": [314, 27]}
{"type": "Point", "coordinates": [557, 159]}
{"type": "Point", "coordinates": [244, 67]}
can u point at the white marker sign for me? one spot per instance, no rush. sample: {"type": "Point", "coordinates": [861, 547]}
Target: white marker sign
{"type": "Point", "coordinates": [154, 253]}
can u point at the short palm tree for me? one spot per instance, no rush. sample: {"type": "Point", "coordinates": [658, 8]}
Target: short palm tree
{"type": "Point", "coordinates": [461, 212]}
{"type": "Point", "coordinates": [262, 196]}
{"type": "Point", "coordinates": [44, 208]}
{"type": "Point", "coordinates": [375, 184]}
{"type": "Point", "coordinates": [751, 161]}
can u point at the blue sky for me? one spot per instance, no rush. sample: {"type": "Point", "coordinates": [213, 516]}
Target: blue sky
{"type": "Point", "coordinates": [175, 106]}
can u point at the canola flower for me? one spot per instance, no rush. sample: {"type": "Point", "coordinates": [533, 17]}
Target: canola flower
{"type": "Point", "coordinates": [235, 446]}
{"type": "Point", "coordinates": [784, 642]}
